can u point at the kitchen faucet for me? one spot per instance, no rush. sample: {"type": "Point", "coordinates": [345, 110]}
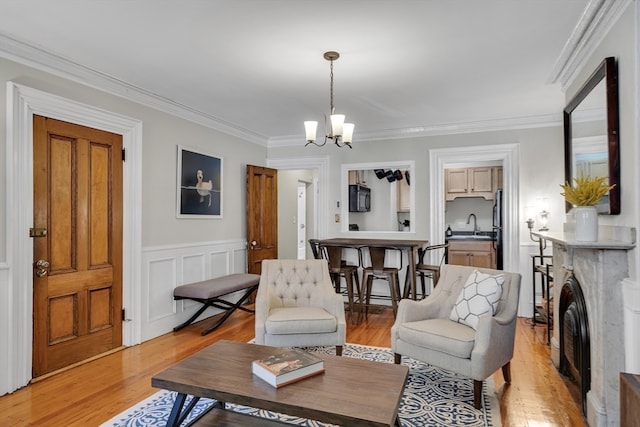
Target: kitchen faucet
{"type": "Point", "coordinates": [475, 223]}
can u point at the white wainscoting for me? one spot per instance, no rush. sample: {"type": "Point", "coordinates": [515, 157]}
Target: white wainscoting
{"type": "Point", "coordinates": [6, 377]}
{"type": "Point", "coordinates": [166, 267]}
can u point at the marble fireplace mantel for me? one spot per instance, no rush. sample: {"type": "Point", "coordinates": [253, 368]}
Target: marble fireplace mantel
{"type": "Point", "coordinates": [600, 267]}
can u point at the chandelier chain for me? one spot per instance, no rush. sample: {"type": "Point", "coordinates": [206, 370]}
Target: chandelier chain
{"type": "Point", "coordinates": [331, 90]}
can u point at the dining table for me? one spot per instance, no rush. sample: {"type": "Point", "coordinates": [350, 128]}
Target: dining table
{"type": "Point", "coordinates": [410, 246]}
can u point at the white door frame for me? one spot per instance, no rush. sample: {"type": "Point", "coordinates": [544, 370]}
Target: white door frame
{"type": "Point", "coordinates": [321, 166]}
{"type": "Point", "coordinates": [301, 220]}
{"type": "Point", "coordinates": [508, 154]}
{"type": "Point", "coordinates": [16, 299]}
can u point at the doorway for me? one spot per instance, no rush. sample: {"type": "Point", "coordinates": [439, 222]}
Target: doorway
{"type": "Point", "coordinates": [508, 155]}
{"type": "Point", "coordinates": [296, 212]}
{"type": "Point", "coordinates": [16, 335]}
{"type": "Point", "coordinates": [319, 166]}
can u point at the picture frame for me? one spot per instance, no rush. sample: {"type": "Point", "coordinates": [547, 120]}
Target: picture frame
{"type": "Point", "coordinates": [199, 184]}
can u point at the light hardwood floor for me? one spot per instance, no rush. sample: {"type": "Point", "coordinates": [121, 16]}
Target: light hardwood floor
{"type": "Point", "coordinates": [92, 393]}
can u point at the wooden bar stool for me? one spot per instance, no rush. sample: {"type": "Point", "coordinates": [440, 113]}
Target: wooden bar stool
{"type": "Point", "coordinates": [377, 270]}
{"type": "Point", "coordinates": [315, 248]}
{"type": "Point", "coordinates": [338, 268]}
{"type": "Point", "coordinates": [431, 271]}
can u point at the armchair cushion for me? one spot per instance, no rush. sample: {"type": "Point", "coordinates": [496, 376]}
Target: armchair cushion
{"type": "Point", "coordinates": [300, 320]}
{"type": "Point", "coordinates": [442, 335]}
{"type": "Point", "coordinates": [479, 297]}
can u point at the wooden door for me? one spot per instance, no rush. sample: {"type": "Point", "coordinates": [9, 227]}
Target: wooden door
{"type": "Point", "coordinates": [77, 280]}
{"type": "Point", "coordinates": [262, 216]}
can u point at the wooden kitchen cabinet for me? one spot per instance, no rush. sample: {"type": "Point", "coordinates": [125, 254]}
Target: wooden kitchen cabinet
{"type": "Point", "coordinates": [472, 253]}
{"type": "Point", "coordinates": [357, 177]}
{"type": "Point", "coordinates": [404, 196]}
{"type": "Point", "coordinates": [472, 182]}
{"type": "Point", "coordinates": [497, 178]}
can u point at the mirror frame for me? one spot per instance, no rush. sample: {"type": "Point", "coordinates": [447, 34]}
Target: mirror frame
{"type": "Point", "coordinates": [607, 71]}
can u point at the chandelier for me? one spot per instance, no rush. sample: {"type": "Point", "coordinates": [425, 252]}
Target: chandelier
{"type": "Point", "coordinates": [340, 133]}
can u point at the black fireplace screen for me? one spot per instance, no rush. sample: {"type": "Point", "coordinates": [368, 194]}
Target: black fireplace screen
{"type": "Point", "coordinates": [575, 359]}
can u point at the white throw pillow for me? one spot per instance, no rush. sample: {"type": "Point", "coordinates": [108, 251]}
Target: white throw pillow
{"type": "Point", "coordinates": [479, 297]}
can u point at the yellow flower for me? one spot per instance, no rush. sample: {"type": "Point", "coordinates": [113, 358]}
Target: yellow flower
{"type": "Point", "coordinates": [586, 191]}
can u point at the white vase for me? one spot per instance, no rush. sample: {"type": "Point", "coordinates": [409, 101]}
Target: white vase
{"type": "Point", "coordinates": [586, 223]}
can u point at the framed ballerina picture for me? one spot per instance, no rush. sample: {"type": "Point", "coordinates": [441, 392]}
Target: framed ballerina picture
{"type": "Point", "coordinates": [199, 184]}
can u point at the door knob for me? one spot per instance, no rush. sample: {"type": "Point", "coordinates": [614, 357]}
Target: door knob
{"type": "Point", "coordinates": [41, 267]}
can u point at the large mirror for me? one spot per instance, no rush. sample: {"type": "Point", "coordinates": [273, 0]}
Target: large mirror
{"type": "Point", "coordinates": [591, 146]}
{"type": "Point", "coordinates": [378, 197]}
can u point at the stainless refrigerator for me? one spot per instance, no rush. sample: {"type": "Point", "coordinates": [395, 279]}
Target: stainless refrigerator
{"type": "Point", "coordinates": [498, 219]}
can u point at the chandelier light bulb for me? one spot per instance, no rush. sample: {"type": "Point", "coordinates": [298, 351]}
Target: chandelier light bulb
{"type": "Point", "coordinates": [347, 132]}
{"type": "Point", "coordinates": [337, 122]}
{"type": "Point", "coordinates": [310, 128]}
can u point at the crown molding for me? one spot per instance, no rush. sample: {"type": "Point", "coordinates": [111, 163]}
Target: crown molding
{"type": "Point", "coordinates": [32, 56]}
{"type": "Point", "coordinates": [596, 21]}
{"type": "Point", "coordinates": [435, 130]}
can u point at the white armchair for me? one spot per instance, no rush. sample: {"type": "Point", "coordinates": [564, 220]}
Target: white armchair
{"type": "Point", "coordinates": [431, 331]}
{"type": "Point", "coordinates": [297, 306]}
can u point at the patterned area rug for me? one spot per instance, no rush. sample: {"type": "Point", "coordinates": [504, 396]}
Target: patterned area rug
{"type": "Point", "coordinates": [432, 397]}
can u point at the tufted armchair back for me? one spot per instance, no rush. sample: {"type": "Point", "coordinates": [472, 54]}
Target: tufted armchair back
{"type": "Point", "coordinates": [295, 283]}
{"type": "Point", "coordinates": [297, 306]}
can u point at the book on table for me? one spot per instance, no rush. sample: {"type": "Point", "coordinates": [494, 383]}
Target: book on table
{"type": "Point", "coordinates": [287, 367]}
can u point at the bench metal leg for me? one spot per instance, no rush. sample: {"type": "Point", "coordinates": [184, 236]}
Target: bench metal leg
{"type": "Point", "coordinates": [216, 302]}
{"type": "Point", "coordinates": [194, 317]}
{"type": "Point", "coordinates": [230, 309]}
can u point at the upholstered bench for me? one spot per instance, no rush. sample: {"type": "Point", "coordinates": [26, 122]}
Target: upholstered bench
{"type": "Point", "coordinates": [209, 293]}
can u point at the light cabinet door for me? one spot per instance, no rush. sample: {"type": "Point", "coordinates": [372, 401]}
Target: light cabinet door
{"type": "Point", "coordinates": [497, 178]}
{"type": "Point", "coordinates": [480, 259]}
{"type": "Point", "coordinates": [480, 180]}
{"type": "Point", "coordinates": [458, 257]}
{"type": "Point", "coordinates": [404, 196]}
{"type": "Point", "coordinates": [456, 183]}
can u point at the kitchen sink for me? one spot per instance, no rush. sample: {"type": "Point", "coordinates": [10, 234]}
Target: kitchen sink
{"type": "Point", "coordinates": [469, 237]}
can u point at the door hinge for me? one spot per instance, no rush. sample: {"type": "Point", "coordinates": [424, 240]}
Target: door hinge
{"type": "Point", "coordinates": [124, 317]}
{"type": "Point", "coordinates": [123, 154]}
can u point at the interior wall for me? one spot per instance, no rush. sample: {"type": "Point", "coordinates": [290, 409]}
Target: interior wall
{"type": "Point", "coordinates": [541, 169]}
{"type": "Point", "coordinates": [161, 135]}
{"type": "Point", "coordinates": [459, 210]}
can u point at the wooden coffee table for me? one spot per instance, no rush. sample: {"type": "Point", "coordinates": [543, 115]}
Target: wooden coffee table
{"type": "Point", "coordinates": [351, 392]}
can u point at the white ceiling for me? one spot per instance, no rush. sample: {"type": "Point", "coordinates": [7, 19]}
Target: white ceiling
{"type": "Point", "coordinates": [257, 66]}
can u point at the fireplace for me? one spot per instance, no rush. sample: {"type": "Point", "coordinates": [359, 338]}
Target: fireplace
{"type": "Point", "coordinates": [575, 350]}
{"type": "Point", "coordinates": [592, 342]}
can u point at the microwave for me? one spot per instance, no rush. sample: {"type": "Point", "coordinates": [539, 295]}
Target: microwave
{"type": "Point", "coordinates": [359, 198]}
